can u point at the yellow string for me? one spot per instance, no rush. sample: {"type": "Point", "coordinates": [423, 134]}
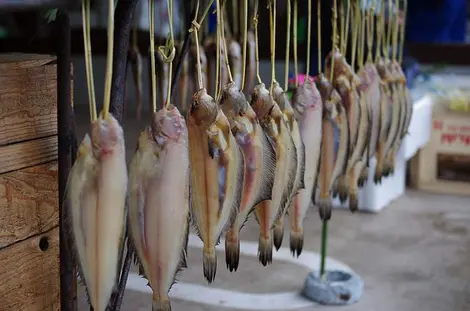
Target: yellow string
{"type": "Point", "coordinates": [402, 32]}
{"type": "Point", "coordinates": [286, 74]}
{"type": "Point", "coordinates": [341, 26]}
{"type": "Point", "coordinates": [360, 60]}
{"type": "Point", "coordinates": [355, 33]}
{"type": "Point", "coordinates": [255, 26]}
{"type": "Point", "coordinates": [370, 32]}
{"type": "Point", "coordinates": [224, 42]}
{"type": "Point", "coordinates": [153, 81]}
{"type": "Point", "coordinates": [109, 60]}
{"type": "Point", "coordinates": [333, 39]}
{"type": "Point", "coordinates": [395, 34]}
{"type": "Point", "coordinates": [379, 32]}
{"type": "Point", "coordinates": [309, 33]}
{"type": "Point", "coordinates": [389, 29]}
{"type": "Point", "coordinates": [294, 44]}
{"type": "Point", "coordinates": [168, 51]}
{"type": "Point", "coordinates": [319, 36]}
{"type": "Point", "coordinates": [346, 39]}
{"type": "Point", "coordinates": [88, 59]}
{"type": "Point", "coordinates": [245, 38]}
{"type": "Point", "coordinates": [272, 19]}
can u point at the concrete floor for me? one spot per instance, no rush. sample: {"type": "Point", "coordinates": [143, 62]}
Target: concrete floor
{"type": "Point", "coordinates": [414, 255]}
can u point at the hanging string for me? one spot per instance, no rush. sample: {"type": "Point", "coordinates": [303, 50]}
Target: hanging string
{"type": "Point", "coordinates": [109, 60]}
{"type": "Point", "coordinates": [389, 30]}
{"type": "Point", "coordinates": [333, 39]}
{"type": "Point", "coordinates": [286, 73]}
{"type": "Point", "coordinates": [153, 81]}
{"type": "Point", "coordinates": [355, 33]}
{"type": "Point", "coordinates": [224, 42]}
{"type": "Point", "coordinates": [272, 23]}
{"type": "Point", "coordinates": [360, 60]}
{"type": "Point", "coordinates": [255, 25]}
{"type": "Point", "coordinates": [309, 33]}
{"type": "Point", "coordinates": [294, 44]}
{"type": "Point", "coordinates": [370, 32]}
{"type": "Point", "coordinates": [245, 39]}
{"type": "Point", "coordinates": [319, 36]}
{"type": "Point", "coordinates": [168, 51]}
{"type": "Point", "coordinates": [346, 38]}
{"type": "Point", "coordinates": [395, 35]}
{"type": "Point", "coordinates": [341, 25]}
{"type": "Point", "coordinates": [379, 32]}
{"type": "Point", "coordinates": [88, 59]}
{"type": "Point", "coordinates": [402, 31]}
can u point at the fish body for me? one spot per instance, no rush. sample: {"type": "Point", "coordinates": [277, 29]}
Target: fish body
{"type": "Point", "coordinates": [217, 175]}
{"type": "Point", "coordinates": [385, 118]}
{"type": "Point", "coordinates": [250, 61]}
{"type": "Point", "coordinates": [308, 109]}
{"type": "Point", "coordinates": [332, 165]}
{"type": "Point", "coordinates": [280, 97]}
{"type": "Point", "coordinates": [273, 124]}
{"type": "Point", "coordinates": [158, 180]}
{"type": "Point", "coordinates": [96, 193]}
{"type": "Point", "coordinates": [259, 168]}
{"type": "Point", "coordinates": [235, 60]}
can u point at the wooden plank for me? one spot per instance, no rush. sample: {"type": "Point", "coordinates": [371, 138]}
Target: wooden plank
{"type": "Point", "coordinates": [29, 203]}
{"type": "Point", "coordinates": [30, 274]}
{"type": "Point", "coordinates": [28, 101]}
{"type": "Point", "coordinates": [10, 61]}
{"type": "Point", "coordinates": [30, 153]}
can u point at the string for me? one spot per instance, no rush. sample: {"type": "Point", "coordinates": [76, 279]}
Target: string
{"type": "Point", "coordinates": [319, 36]}
{"type": "Point", "coordinates": [294, 44]}
{"type": "Point", "coordinates": [370, 32]}
{"type": "Point", "coordinates": [309, 32]}
{"type": "Point", "coordinates": [224, 42]}
{"type": "Point", "coordinates": [153, 81]}
{"type": "Point", "coordinates": [286, 73]}
{"type": "Point", "coordinates": [272, 22]}
{"type": "Point", "coordinates": [255, 26]}
{"type": "Point", "coordinates": [168, 51]}
{"type": "Point", "coordinates": [341, 26]}
{"type": "Point", "coordinates": [88, 59]}
{"type": "Point", "coordinates": [348, 8]}
{"type": "Point", "coordinates": [360, 60]}
{"type": "Point", "coordinates": [395, 35]}
{"type": "Point", "coordinates": [109, 60]}
{"type": "Point", "coordinates": [389, 30]}
{"type": "Point", "coordinates": [333, 39]}
{"type": "Point", "coordinates": [355, 34]}
{"type": "Point", "coordinates": [245, 39]}
{"type": "Point", "coordinates": [379, 32]}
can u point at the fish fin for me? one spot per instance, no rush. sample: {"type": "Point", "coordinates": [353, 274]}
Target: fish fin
{"type": "Point", "coordinates": [278, 233]}
{"type": "Point", "coordinates": [296, 242]}
{"type": "Point", "coordinates": [265, 250]}
{"type": "Point", "coordinates": [184, 250]}
{"type": "Point", "coordinates": [315, 183]}
{"type": "Point", "coordinates": [324, 208]}
{"type": "Point", "coordinates": [209, 264]}
{"type": "Point", "coordinates": [342, 188]}
{"type": "Point", "coordinates": [232, 250]}
{"type": "Point", "coordinates": [162, 304]}
{"type": "Point", "coordinates": [302, 166]}
{"type": "Point", "coordinates": [268, 170]}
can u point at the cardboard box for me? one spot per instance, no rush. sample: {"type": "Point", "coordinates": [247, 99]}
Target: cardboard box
{"type": "Point", "coordinates": [443, 165]}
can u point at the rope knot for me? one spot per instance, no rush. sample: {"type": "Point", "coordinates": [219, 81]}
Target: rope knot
{"type": "Point", "coordinates": [195, 26]}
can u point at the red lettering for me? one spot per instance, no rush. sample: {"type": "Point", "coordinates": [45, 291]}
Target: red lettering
{"type": "Point", "coordinates": [450, 138]}
{"type": "Point", "coordinates": [438, 125]}
{"type": "Point", "coordinates": [465, 139]}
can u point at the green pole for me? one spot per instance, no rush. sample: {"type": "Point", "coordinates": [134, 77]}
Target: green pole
{"type": "Point", "coordinates": [324, 235]}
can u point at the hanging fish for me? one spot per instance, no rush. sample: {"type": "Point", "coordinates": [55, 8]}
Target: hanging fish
{"type": "Point", "coordinates": [217, 175]}
{"type": "Point", "coordinates": [280, 97]}
{"type": "Point", "coordinates": [333, 164]}
{"type": "Point", "coordinates": [308, 110]}
{"type": "Point", "coordinates": [235, 60]}
{"type": "Point", "coordinates": [260, 163]}
{"type": "Point", "coordinates": [159, 202]}
{"type": "Point", "coordinates": [267, 212]}
{"type": "Point", "coordinates": [96, 194]}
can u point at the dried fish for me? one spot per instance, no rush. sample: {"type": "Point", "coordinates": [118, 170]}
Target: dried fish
{"type": "Point", "coordinates": [158, 179]}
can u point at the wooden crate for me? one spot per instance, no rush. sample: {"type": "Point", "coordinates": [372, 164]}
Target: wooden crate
{"type": "Point", "coordinates": [443, 165]}
{"type": "Point", "coordinates": [29, 218]}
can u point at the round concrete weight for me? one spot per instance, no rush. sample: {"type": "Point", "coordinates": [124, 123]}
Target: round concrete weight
{"type": "Point", "coordinates": [337, 288]}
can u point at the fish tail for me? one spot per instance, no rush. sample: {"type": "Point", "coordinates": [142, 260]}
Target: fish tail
{"type": "Point", "coordinates": [296, 241]}
{"type": "Point", "coordinates": [232, 249]}
{"type": "Point", "coordinates": [379, 166]}
{"type": "Point", "coordinates": [278, 232]}
{"type": "Point", "coordinates": [161, 304]}
{"type": "Point", "coordinates": [324, 208]}
{"type": "Point", "coordinates": [209, 264]}
{"type": "Point", "coordinates": [265, 249]}
{"type": "Point", "coordinates": [343, 188]}
{"type": "Point", "coordinates": [364, 176]}
{"type": "Point", "coordinates": [353, 181]}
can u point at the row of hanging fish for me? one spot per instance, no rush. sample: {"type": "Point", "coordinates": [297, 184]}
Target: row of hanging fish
{"type": "Point", "coordinates": [233, 155]}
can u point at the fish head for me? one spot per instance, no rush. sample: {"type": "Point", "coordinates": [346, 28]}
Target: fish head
{"type": "Point", "coordinates": [324, 86]}
{"type": "Point", "coordinates": [261, 101]}
{"type": "Point", "coordinates": [233, 103]}
{"type": "Point", "coordinates": [203, 110]}
{"type": "Point", "coordinates": [280, 97]}
{"type": "Point", "coordinates": [168, 125]}
{"type": "Point", "coordinates": [106, 136]}
{"type": "Point", "coordinates": [306, 96]}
